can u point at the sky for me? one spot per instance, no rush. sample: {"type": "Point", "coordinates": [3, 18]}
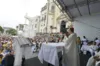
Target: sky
{"type": "Point", "coordinates": [12, 12]}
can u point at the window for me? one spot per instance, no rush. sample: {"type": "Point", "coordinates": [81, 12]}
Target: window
{"type": "Point", "coordinates": [52, 8]}
{"type": "Point", "coordinates": [35, 25]}
{"type": "Point", "coordinates": [36, 20]}
{"type": "Point", "coordinates": [44, 17]}
{"type": "Point", "coordinates": [41, 18]}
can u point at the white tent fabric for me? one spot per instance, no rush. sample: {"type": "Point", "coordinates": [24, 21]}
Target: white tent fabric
{"type": "Point", "coordinates": [21, 50]}
{"type": "Point", "coordinates": [18, 53]}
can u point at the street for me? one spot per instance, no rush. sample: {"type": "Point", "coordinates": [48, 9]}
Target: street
{"type": "Point", "coordinates": [34, 61]}
{"type": "Point", "coordinates": [32, 58]}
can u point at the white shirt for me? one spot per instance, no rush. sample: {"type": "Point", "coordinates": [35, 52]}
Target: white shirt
{"type": "Point", "coordinates": [94, 47]}
{"type": "Point", "coordinates": [86, 48]}
{"type": "Point", "coordinates": [97, 42]}
{"type": "Point", "coordinates": [84, 41]}
{"type": "Point", "coordinates": [33, 48]}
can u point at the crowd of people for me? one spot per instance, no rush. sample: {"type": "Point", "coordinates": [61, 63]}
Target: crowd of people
{"type": "Point", "coordinates": [91, 46]}
{"type": "Point", "coordinates": [83, 43]}
{"type": "Point", "coordinates": [6, 52]}
{"type": "Point", "coordinates": [87, 49]}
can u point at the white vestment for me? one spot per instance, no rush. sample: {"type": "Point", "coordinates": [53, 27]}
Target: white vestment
{"type": "Point", "coordinates": [65, 38]}
{"type": "Point", "coordinates": [91, 61]}
{"type": "Point", "coordinates": [71, 54]}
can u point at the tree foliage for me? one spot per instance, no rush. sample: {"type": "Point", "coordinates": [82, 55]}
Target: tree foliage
{"type": "Point", "coordinates": [1, 29]}
{"type": "Point", "coordinates": [12, 31]}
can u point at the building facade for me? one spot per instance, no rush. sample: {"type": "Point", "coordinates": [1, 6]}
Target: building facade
{"type": "Point", "coordinates": [47, 17]}
{"type": "Point", "coordinates": [52, 17]}
{"type": "Point", "coordinates": [20, 27]}
{"type": "Point", "coordinates": [50, 20]}
{"type": "Point", "coordinates": [43, 19]}
{"type": "Point", "coordinates": [32, 27]}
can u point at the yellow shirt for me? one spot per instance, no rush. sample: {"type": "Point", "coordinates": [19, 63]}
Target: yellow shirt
{"type": "Point", "coordinates": [0, 60]}
{"type": "Point", "coordinates": [78, 41]}
{"type": "Point", "coordinates": [0, 51]}
{"type": "Point", "coordinates": [4, 45]}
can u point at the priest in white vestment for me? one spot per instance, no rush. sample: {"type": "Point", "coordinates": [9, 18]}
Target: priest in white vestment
{"type": "Point", "coordinates": [71, 54]}
{"type": "Point", "coordinates": [94, 60]}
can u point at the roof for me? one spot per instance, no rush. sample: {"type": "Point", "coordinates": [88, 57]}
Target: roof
{"type": "Point", "coordinates": [21, 41]}
{"type": "Point", "coordinates": [76, 8]}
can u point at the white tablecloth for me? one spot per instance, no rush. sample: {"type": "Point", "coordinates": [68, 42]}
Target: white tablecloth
{"type": "Point", "coordinates": [49, 53]}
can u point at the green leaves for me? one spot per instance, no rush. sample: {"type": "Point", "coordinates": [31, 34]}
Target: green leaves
{"type": "Point", "coordinates": [12, 31]}
{"type": "Point", "coordinates": [1, 29]}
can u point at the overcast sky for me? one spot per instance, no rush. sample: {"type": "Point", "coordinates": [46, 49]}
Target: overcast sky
{"type": "Point", "coordinates": [12, 12]}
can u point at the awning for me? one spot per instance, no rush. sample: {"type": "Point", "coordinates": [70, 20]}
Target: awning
{"type": "Point", "coordinates": [77, 8]}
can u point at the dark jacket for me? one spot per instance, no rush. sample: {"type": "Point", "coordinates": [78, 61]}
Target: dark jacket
{"type": "Point", "coordinates": [8, 60]}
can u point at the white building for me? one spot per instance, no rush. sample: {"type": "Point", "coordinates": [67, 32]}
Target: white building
{"type": "Point", "coordinates": [32, 27]}
{"type": "Point", "coordinates": [20, 29]}
{"type": "Point", "coordinates": [49, 21]}
{"type": "Point", "coordinates": [60, 18]}
{"type": "Point", "coordinates": [52, 17]}
{"type": "Point", "coordinates": [47, 17]}
{"type": "Point", "coordinates": [25, 30]}
{"type": "Point", "coordinates": [43, 19]}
